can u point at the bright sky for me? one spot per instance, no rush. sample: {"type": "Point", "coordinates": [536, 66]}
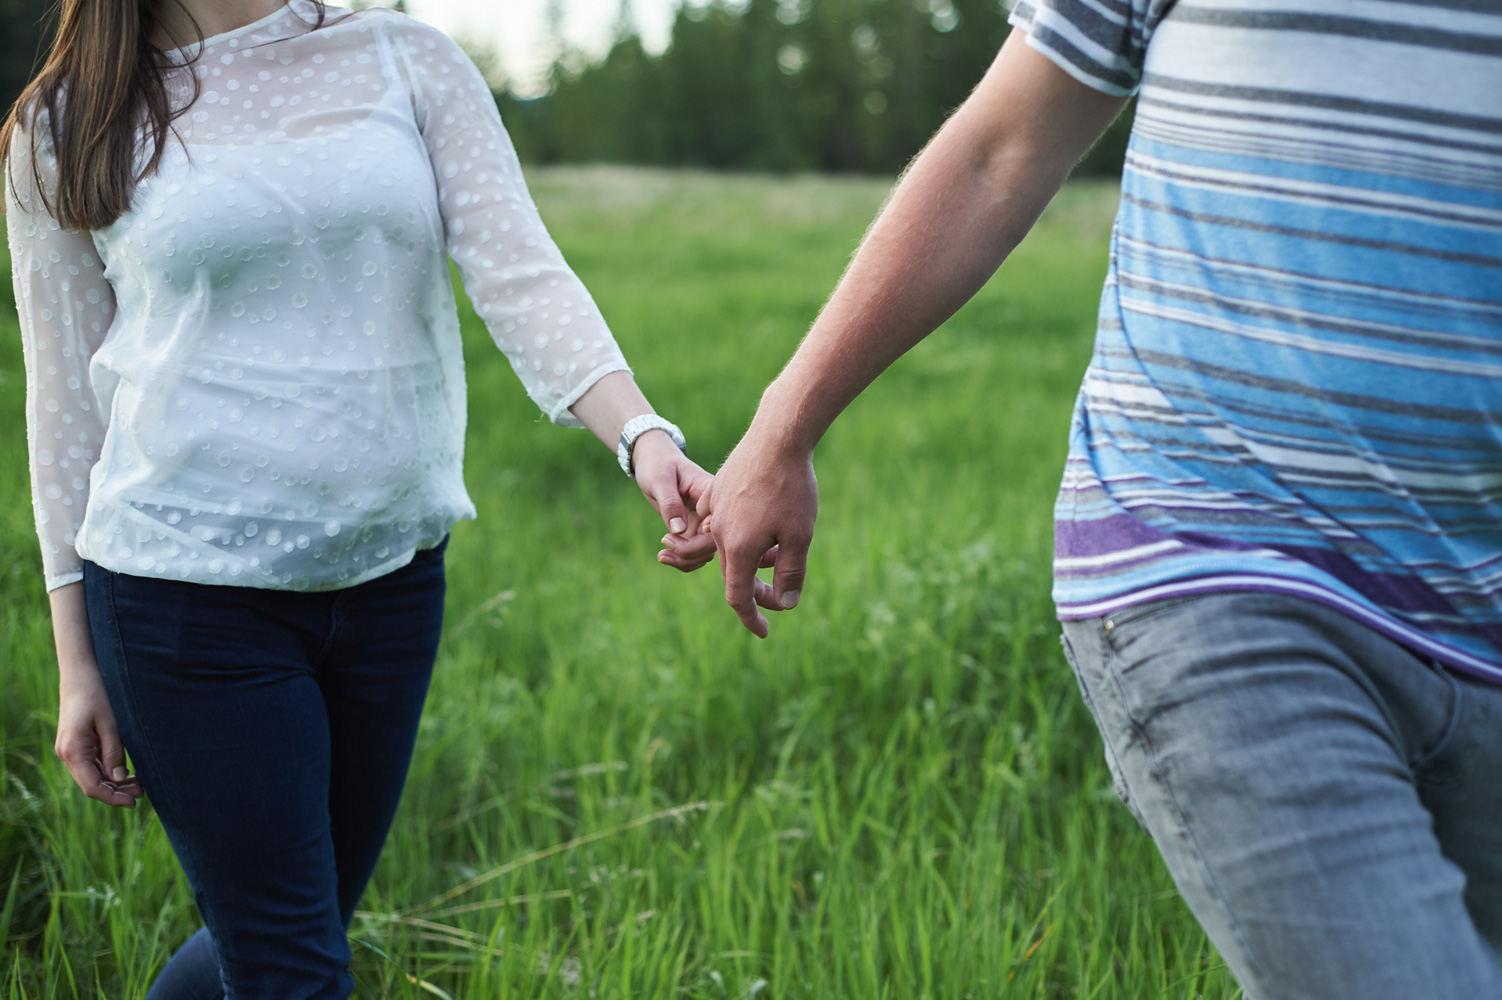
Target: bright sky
{"type": "Point", "coordinates": [515, 28]}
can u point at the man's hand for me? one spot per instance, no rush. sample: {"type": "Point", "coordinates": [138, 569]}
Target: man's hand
{"type": "Point", "coordinates": [673, 485]}
{"type": "Point", "coordinates": [760, 511]}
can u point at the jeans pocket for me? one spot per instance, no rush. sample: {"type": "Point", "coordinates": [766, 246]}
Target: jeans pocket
{"type": "Point", "coordinates": [1117, 625]}
{"type": "Point", "coordinates": [1430, 763]}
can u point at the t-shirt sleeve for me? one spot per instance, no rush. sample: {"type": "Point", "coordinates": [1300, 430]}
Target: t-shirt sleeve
{"type": "Point", "coordinates": [1101, 43]}
{"type": "Point", "coordinates": [537, 310]}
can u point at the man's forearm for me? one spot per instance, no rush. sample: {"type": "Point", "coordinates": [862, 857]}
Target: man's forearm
{"type": "Point", "coordinates": [962, 207]}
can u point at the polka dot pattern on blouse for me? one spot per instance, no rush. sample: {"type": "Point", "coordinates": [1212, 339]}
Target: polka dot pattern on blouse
{"type": "Point", "coordinates": [254, 376]}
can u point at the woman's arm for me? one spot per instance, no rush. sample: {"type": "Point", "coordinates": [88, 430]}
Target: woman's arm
{"type": "Point", "coordinates": [537, 310]}
{"type": "Point", "coordinates": [65, 307]}
{"type": "Point", "coordinates": [962, 206]}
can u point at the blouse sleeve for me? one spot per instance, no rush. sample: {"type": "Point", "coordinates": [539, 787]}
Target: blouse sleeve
{"type": "Point", "coordinates": [65, 307]}
{"type": "Point", "coordinates": [1101, 43]}
{"type": "Point", "coordinates": [537, 310]}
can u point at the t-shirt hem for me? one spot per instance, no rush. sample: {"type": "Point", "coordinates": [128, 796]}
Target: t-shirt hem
{"type": "Point", "coordinates": [1406, 635]}
{"type": "Point", "coordinates": [1025, 24]}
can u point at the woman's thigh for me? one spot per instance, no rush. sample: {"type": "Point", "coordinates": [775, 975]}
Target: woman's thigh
{"type": "Point", "coordinates": [220, 696]}
{"type": "Point", "coordinates": [374, 673]}
{"type": "Point", "coordinates": [1271, 747]}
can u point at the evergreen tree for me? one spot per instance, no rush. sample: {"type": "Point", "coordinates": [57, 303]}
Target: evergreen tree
{"type": "Point", "coordinates": [25, 33]}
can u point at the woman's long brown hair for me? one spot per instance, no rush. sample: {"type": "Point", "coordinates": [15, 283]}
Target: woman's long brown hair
{"type": "Point", "coordinates": [104, 88]}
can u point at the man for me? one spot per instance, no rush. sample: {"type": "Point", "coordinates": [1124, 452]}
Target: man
{"type": "Point", "coordinates": [1279, 534]}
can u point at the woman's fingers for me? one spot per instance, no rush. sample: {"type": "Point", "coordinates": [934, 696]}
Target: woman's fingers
{"type": "Point", "coordinates": [674, 513]}
{"type": "Point", "coordinates": [692, 483]}
{"type": "Point", "coordinates": [81, 756]}
{"type": "Point", "coordinates": [686, 553]}
{"type": "Point", "coordinates": [674, 486]}
{"type": "Point", "coordinates": [111, 752]}
{"type": "Point", "coordinates": [88, 743]}
{"type": "Point", "coordinates": [671, 483]}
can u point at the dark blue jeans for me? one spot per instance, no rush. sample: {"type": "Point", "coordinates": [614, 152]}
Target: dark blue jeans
{"type": "Point", "coordinates": [272, 732]}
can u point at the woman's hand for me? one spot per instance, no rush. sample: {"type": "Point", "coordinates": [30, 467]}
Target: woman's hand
{"type": "Point", "coordinates": [673, 485]}
{"type": "Point", "coordinates": [88, 742]}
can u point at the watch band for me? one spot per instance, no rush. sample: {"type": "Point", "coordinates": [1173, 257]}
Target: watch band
{"type": "Point", "coordinates": [635, 428]}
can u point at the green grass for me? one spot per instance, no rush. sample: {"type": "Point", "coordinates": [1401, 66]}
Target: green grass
{"type": "Point", "coordinates": [619, 793]}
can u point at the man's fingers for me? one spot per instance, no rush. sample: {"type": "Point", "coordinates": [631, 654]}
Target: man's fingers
{"type": "Point", "coordinates": [764, 596]}
{"type": "Point", "coordinates": [769, 558]}
{"type": "Point", "coordinates": [740, 588]}
{"type": "Point", "coordinates": [787, 577]}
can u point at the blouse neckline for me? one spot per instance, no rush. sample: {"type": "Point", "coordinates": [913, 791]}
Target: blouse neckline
{"type": "Point", "coordinates": [225, 36]}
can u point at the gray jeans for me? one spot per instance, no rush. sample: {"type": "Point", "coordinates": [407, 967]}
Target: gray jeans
{"type": "Point", "coordinates": [1328, 802]}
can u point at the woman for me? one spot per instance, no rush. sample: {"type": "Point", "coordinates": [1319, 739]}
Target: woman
{"type": "Point", "coordinates": [228, 221]}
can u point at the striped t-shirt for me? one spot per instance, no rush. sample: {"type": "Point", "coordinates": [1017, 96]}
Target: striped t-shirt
{"type": "Point", "coordinates": [1297, 379]}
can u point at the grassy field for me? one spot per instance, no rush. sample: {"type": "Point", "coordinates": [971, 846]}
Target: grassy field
{"type": "Point", "coordinates": [618, 792]}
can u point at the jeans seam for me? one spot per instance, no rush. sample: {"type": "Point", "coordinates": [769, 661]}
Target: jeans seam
{"type": "Point", "coordinates": [128, 682]}
{"type": "Point", "coordinates": [1113, 762]}
{"type": "Point", "coordinates": [333, 633]}
{"type": "Point", "coordinates": [1189, 835]}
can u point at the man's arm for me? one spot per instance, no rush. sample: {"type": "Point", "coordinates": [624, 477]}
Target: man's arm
{"type": "Point", "coordinates": [962, 206]}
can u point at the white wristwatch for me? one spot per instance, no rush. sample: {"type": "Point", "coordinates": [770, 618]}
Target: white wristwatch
{"type": "Point", "coordinates": [635, 428]}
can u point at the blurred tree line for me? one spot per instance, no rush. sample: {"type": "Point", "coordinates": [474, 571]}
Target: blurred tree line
{"type": "Point", "coordinates": [783, 85]}
{"type": "Point", "coordinates": [24, 24]}
{"type": "Point", "coordinates": [828, 85]}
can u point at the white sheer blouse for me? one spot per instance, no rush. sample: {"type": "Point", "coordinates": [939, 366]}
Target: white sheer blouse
{"type": "Point", "coordinates": [254, 376]}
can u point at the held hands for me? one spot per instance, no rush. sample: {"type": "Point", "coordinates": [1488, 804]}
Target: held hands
{"type": "Point", "coordinates": [673, 485]}
{"type": "Point", "coordinates": [760, 511]}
